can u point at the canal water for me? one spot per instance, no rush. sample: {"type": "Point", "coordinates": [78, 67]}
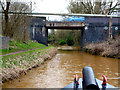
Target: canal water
{"type": "Point", "coordinates": [61, 70]}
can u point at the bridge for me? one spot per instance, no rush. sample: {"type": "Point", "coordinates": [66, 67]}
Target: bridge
{"type": "Point", "coordinates": [99, 27]}
{"type": "Point", "coordinates": [94, 29]}
{"type": "Point", "coordinates": [65, 25]}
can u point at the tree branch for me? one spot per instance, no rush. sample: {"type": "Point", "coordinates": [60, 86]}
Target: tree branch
{"type": "Point", "coordinates": [2, 6]}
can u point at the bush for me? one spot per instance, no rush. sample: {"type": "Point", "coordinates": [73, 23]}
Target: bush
{"type": "Point", "coordinates": [51, 39]}
{"type": "Point", "coordinates": [62, 42]}
{"type": "Point", "coordinates": [69, 41]}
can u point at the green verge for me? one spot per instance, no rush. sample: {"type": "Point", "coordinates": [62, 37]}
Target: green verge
{"type": "Point", "coordinates": [20, 59]}
{"type": "Point", "coordinates": [20, 46]}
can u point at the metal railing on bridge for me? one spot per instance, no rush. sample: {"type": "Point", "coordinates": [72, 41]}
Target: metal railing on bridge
{"type": "Point", "coordinates": [65, 14]}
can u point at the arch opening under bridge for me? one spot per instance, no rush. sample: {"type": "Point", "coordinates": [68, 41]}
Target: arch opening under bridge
{"type": "Point", "coordinates": [65, 26]}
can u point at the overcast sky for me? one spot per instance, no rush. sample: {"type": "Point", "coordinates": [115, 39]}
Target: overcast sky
{"type": "Point", "coordinates": [51, 6]}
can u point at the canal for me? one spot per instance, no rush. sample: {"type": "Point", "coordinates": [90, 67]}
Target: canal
{"type": "Point", "coordinates": [61, 70]}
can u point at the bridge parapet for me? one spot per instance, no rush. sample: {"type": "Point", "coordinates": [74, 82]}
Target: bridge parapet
{"type": "Point", "coordinates": [61, 25]}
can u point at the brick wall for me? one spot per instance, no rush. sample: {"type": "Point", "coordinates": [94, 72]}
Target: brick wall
{"type": "Point", "coordinates": [95, 28]}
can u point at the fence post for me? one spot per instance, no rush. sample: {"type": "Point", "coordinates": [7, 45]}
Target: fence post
{"type": "Point", "coordinates": [24, 27]}
{"type": "Point", "coordinates": [0, 45]}
{"type": "Point", "coordinates": [1, 21]}
{"type": "Point", "coordinates": [111, 28]}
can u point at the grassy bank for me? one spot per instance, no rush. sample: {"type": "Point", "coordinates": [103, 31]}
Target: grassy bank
{"type": "Point", "coordinates": [107, 48]}
{"type": "Point", "coordinates": [20, 46]}
{"type": "Point", "coordinates": [14, 65]}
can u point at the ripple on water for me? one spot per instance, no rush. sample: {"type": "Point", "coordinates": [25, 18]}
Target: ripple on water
{"type": "Point", "coordinates": [61, 70]}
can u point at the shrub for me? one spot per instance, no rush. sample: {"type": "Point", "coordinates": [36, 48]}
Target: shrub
{"type": "Point", "coordinates": [69, 41]}
{"type": "Point", "coordinates": [62, 42]}
{"type": "Point", "coordinates": [51, 39]}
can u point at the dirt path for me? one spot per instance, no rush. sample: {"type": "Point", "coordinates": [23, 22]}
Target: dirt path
{"type": "Point", "coordinates": [20, 51]}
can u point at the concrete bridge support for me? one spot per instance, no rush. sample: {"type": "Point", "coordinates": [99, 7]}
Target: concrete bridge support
{"type": "Point", "coordinates": [46, 35]}
{"type": "Point", "coordinates": [82, 35]}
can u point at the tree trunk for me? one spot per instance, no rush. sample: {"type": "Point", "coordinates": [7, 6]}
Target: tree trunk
{"type": "Point", "coordinates": [7, 32]}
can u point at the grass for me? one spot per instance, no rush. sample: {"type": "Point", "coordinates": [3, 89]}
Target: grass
{"type": "Point", "coordinates": [20, 46]}
{"type": "Point", "coordinates": [20, 58]}
{"type": "Point", "coordinates": [13, 65]}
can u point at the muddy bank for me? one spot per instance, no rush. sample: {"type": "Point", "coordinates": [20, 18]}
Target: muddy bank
{"type": "Point", "coordinates": [108, 48]}
{"type": "Point", "coordinates": [38, 57]}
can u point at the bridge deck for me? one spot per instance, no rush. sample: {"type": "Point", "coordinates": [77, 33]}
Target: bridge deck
{"type": "Point", "coordinates": [65, 25]}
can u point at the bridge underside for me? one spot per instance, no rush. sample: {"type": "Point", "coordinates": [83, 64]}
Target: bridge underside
{"type": "Point", "coordinates": [65, 26]}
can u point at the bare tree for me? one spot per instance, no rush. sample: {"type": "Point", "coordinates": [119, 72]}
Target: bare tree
{"type": "Point", "coordinates": [12, 23]}
{"type": "Point", "coordinates": [5, 9]}
{"type": "Point", "coordinates": [77, 6]}
{"type": "Point", "coordinates": [16, 21]}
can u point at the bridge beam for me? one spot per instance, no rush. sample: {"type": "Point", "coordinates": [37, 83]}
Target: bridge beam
{"type": "Point", "coordinates": [64, 25]}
